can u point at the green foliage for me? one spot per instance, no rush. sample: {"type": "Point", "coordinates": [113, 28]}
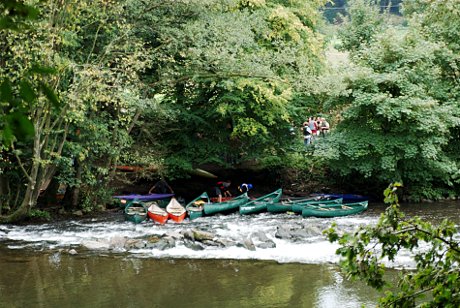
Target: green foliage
{"type": "Point", "coordinates": [434, 249]}
{"type": "Point", "coordinates": [14, 97]}
{"type": "Point", "coordinates": [399, 114]}
{"type": "Point", "coordinates": [228, 75]}
{"type": "Point", "coordinates": [15, 14]}
{"type": "Point", "coordinates": [39, 214]}
{"type": "Point", "coordinates": [361, 25]}
{"type": "Point", "coordinates": [82, 111]}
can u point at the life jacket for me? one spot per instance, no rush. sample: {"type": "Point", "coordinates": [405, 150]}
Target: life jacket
{"type": "Point", "coordinates": [221, 185]}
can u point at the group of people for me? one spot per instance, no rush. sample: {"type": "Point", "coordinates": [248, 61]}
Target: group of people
{"type": "Point", "coordinates": [221, 189]}
{"type": "Point", "coordinates": [314, 127]}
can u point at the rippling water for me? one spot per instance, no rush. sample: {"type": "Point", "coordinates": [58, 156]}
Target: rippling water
{"type": "Point", "coordinates": [86, 262]}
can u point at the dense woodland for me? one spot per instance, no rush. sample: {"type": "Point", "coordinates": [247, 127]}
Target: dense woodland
{"type": "Point", "coordinates": [170, 86]}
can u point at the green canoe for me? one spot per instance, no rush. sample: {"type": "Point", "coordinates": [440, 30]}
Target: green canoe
{"type": "Point", "coordinates": [279, 207]}
{"type": "Point", "coordinates": [334, 210]}
{"type": "Point", "coordinates": [298, 207]}
{"type": "Point", "coordinates": [285, 205]}
{"type": "Point", "coordinates": [227, 206]}
{"type": "Point", "coordinates": [195, 207]}
{"type": "Point", "coordinates": [260, 204]}
{"type": "Point", "coordinates": [135, 211]}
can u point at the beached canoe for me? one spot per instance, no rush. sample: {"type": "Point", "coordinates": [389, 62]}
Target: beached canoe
{"type": "Point", "coordinates": [175, 210]}
{"type": "Point", "coordinates": [195, 207]}
{"type": "Point", "coordinates": [334, 210]}
{"type": "Point", "coordinates": [162, 198]}
{"type": "Point", "coordinates": [156, 213]}
{"type": "Point", "coordinates": [226, 207]}
{"type": "Point", "coordinates": [259, 205]}
{"type": "Point", "coordinates": [203, 173]}
{"type": "Point", "coordinates": [298, 207]}
{"type": "Point", "coordinates": [135, 211]}
{"type": "Point", "coordinates": [285, 205]}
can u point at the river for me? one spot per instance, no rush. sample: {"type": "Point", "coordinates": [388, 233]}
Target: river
{"type": "Point", "coordinates": [263, 260]}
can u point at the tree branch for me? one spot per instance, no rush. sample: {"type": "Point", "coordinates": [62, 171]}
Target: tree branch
{"type": "Point", "coordinates": [21, 165]}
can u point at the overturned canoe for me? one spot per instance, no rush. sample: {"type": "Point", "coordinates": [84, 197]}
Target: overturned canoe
{"type": "Point", "coordinates": [259, 205]}
{"type": "Point", "coordinates": [157, 213]}
{"type": "Point", "coordinates": [175, 210]}
{"type": "Point", "coordinates": [226, 207]}
{"type": "Point", "coordinates": [334, 210]}
{"type": "Point", "coordinates": [195, 207]}
{"type": "Point", "coordinates": [135, 211]}
{"type": "Point", "coordinates": [298, 207]}
{"type": "Point", "coordinates": [203, 173]}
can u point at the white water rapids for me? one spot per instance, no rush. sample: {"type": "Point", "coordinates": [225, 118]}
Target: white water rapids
{"type": "Point", "coordinates": [103, 235]}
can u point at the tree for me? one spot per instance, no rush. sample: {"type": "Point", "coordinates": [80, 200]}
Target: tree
{"type": "Point", "coordinates": [83, 125]}
{"type": "Point", "coordinates": [362, 23]}
{"type": "Point", "coordinates": [435, 250]}
{"type": "Point", "coordinates": [229, 71]}
{"type": "Point", "coordinates": [399, 115]}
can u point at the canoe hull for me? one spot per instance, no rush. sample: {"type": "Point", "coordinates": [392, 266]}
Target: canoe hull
{"type": "Point", "coordinates": [157, 214]}
{"type": "Point", "coordinates": [335, 210]}
{"type": "Point", "coordinates": [259, 205]}
{"type": "Point", "coordinates": [203, 173]}
{"type": "Point", "coordinates": [279, 207]}
{"type": "Point", "coordinates": [177, 218]}
{"type": "Point", "coordinates": [226, 207]}
{"type": "Point", "coordinates": [287, 205]}
{"type": "Point", "coordinates": [255, 208]}
{"type": "Point", "coordinates": [195, 213]}
{"type": "Point", "coordinates": [298, 207]}
{"type": "Point", "coordinates": [195, 207]}
{"type": "Point", "coordinates": [176, 211]}
{"type": "Point", "coordinates": [135, 211]}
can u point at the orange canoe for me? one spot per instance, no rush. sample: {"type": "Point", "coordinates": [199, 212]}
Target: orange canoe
{"type": "Point", "coordinates": [175, 210]}
{"type": "Point", "coordinates": [156, 213]}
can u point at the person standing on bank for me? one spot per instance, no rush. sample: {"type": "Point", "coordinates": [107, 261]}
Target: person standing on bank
{"type": "Point", "coordinates": [313, 127]}
{"type": "Point", "coordinates": [307, 134]}
{"type": "Point", "coordinates": [243, 188]}
{"type": "Point", "coordinates": [222, 189]}
{"type": "Point", "coordinates": [324, 127]}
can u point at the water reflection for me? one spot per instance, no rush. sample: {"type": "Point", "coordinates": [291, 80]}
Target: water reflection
{"type": "Point", "coordinates": [33, 279]}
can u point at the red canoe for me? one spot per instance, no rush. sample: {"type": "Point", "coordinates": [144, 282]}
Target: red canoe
{"type": "Point", "coordinates": [156, 213]}
{"type": "Point", "coordinates": [175, 210]}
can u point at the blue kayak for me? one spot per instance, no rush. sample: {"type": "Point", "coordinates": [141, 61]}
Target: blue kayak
{"type": "Point", "coordinates": [347, 198]}
{"type": "Point", "coordinates": [147, 197]}
{"type": "Point", "coordinates": [124, 199]}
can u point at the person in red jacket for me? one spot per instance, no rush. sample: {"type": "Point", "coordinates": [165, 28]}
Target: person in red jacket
{"type": "Point", "coordinates": [222, 189]}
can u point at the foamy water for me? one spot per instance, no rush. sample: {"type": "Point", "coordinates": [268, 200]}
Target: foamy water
{"type": "Point", "coordinates": [99, 235]}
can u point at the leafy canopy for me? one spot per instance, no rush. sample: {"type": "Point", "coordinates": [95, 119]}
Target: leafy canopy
{"type": "Point", "coordinates": [434, 248]}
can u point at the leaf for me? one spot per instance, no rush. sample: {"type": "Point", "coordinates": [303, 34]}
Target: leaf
{"type": "Point", "coordinates": [20, 125]}
{"type": "Point", "coordinates": [49, 93]}
{"type": "Point", "coordinates": [6, 135]}
{"type": "Point", "coordinates": [6, 93]}
{"type": "Point", "coordinates": [27, 92]}
{"type": "Point", "coordinates": [42, 70]}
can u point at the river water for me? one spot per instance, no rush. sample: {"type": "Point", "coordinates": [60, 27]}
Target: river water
{"type": "Point", "coordinates": [263, 260]}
